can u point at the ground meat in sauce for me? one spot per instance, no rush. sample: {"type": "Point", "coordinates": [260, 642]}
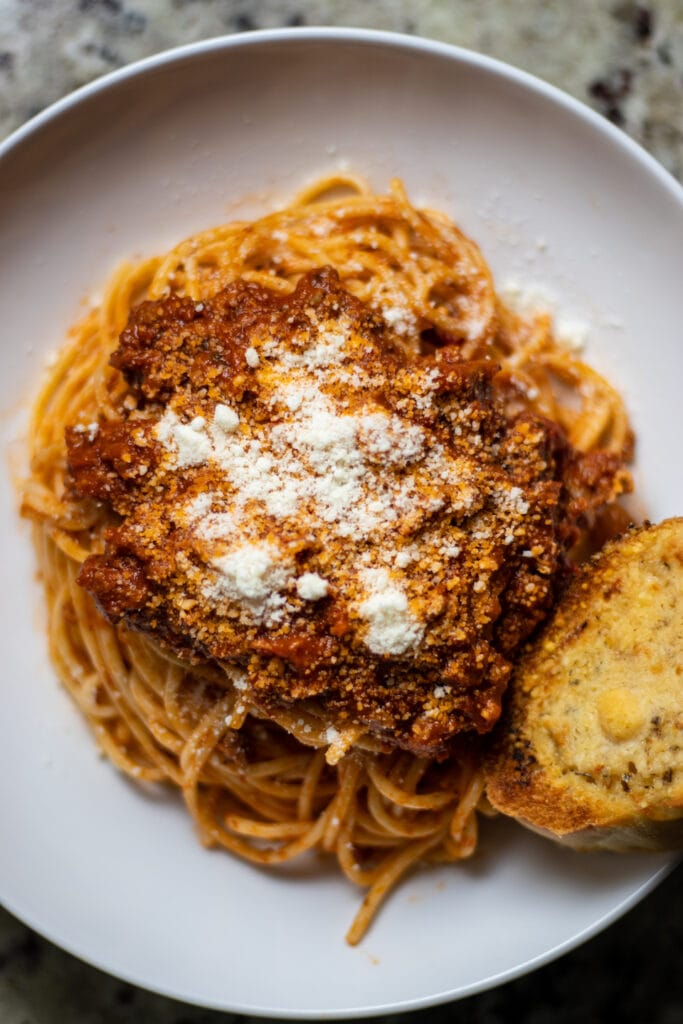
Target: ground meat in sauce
{"type": "Point", "coordinates": [344, 521]}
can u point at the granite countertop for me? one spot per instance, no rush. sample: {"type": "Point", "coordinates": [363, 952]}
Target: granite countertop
{"type": "Point", "coordinates": [625, 59]}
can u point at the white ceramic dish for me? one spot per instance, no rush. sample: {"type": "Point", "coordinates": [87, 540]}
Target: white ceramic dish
{"type": "Point", "coordinates": [131, 164]}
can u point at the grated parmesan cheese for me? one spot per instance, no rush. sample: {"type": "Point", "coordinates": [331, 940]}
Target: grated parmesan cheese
{"type": "Point", "coordinates": [375, 489]}
{"type": "Point", "coordinates": [251, 575]}
{"type": "Point", "coordinates": [573, 334]}
{"type": "Point", "coordinates": [91, 430]}
{"type": "Point", "coordinates": [225, 418]}
{"type": "Point", "coordinates": [400, 318]}
{"type": "Point", "coordinates": [311, 587]}
{"type": "Point", "coordinates": [188, 440]}
{"type": "Point", "coordinates": [390, 438]}
{"type": "Point", "coordinates": [392, 627]}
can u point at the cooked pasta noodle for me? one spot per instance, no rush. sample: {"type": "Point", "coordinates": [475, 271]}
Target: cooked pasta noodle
{"type": "Point", "coordinates": [160, 719]}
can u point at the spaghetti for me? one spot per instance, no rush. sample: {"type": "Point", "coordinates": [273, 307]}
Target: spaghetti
{"type": "Point", "coordinates": [269, 781]}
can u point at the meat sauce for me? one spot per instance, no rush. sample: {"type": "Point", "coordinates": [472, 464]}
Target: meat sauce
{"type": "Point", "coordinates": [341, 520]}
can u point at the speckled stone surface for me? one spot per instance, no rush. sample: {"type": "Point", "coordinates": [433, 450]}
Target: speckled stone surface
{"type": "Point", "coordinates": [626, 60]}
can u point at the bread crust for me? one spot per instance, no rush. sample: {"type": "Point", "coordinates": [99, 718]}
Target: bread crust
{"type": "Point", "coordinates": [588, 749]}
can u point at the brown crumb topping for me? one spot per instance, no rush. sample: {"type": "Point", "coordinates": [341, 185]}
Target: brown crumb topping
{"type": "Point", "coordinates": [300, 497]}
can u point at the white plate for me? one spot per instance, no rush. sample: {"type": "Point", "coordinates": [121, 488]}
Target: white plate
{"type": "Point", "coordinates": [131, 164]}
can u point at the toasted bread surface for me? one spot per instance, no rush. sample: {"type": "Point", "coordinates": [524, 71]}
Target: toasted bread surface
{"type": "Point", "coordinates": [591, 744]}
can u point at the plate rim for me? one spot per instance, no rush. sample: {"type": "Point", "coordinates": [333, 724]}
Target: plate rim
{"type": "Point", "coordinates": [363, 36]}
{"type": "Point", "coordinates": [471, 59]}
{"type": "Point", "coordinates": [378, 1010]}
